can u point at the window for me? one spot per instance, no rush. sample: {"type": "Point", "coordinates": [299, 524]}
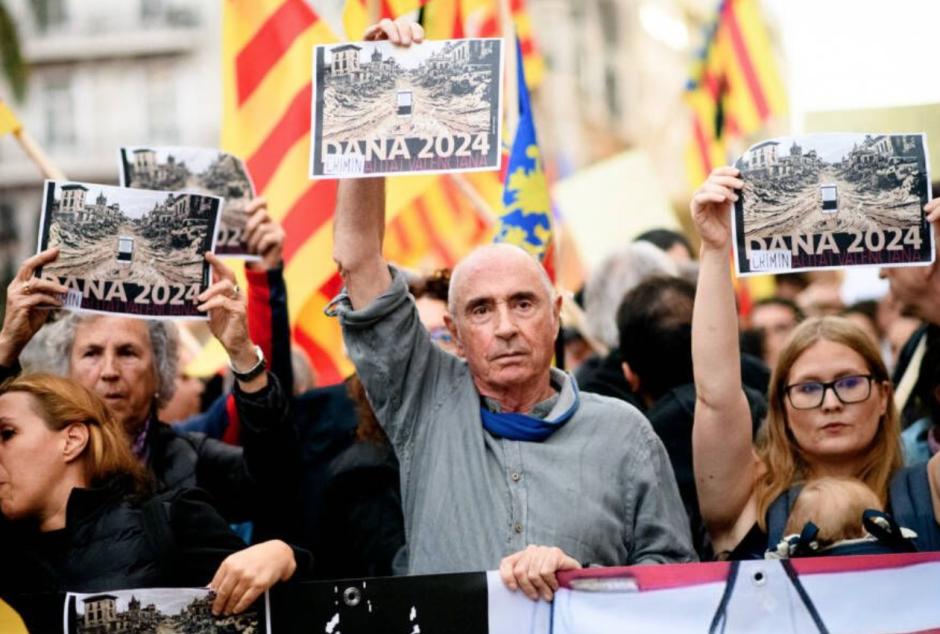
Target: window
{"type": "Point", "coordinates": [59, 111]}
{"type": "Point", "coordinates": [161, 107]}
{"type": "Point", "coordinates": [152, 11]}
{"type": "Point", "coordinates": [50, 14]}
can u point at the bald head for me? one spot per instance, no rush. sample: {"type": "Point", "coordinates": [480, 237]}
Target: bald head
{"type": "Point", "coordinates": [493, 259]}
{"type": "Point", "coordinates": [504, 318]}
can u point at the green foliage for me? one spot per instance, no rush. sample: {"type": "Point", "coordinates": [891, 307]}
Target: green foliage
{"type": "Point", "coordinates": [12, 64]}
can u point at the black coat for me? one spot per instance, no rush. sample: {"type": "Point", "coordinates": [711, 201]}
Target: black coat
{"type": "Point", "coordinates": [108, 544]}
{"type": "Point", "coordinates": [251, 482]}
{"type": "Point", "coordinates": [363, 525]}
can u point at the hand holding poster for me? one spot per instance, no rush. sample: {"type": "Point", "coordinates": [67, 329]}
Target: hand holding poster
{"type": "Point", "coordinates": [833, 200]}
{"type": "Point", "coordinates": [198, 171]}
{"type": "Point", "coordinates": [382, 109]}
{"type": "Point", "coordinates": [128, 251]}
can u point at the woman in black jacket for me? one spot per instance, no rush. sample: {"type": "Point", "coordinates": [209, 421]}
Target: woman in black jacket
{"type": "Point", "coordinates": [75, 513]}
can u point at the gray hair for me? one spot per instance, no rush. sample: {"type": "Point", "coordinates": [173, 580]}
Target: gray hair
{"type": "Point", "coordinates": [51, 349]}
{"type": "Point", "coordinates": [482, 252]}
{"type": "Point", "coordinates": [618, 274]}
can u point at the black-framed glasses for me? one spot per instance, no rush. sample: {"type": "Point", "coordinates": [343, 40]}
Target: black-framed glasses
{"type": "Point", "coordinates": [854, 388]}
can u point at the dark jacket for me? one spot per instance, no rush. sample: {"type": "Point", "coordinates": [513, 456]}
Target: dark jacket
{"type": "Point", "coordinates": [671, 417]}
{"type": "Point", "coordinates": [363, 526]}
{"type": "Point", "coordinates": [113, 540]}
{"type": "Point", "coordinates": [107, 544]}
{"type": "Point", "coordinates": [245, 482]}
{"type": "Point", "coordinates": [604, 376]}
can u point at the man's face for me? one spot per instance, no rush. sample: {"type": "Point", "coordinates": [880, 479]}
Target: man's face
{"type": "Point", "coordinates": [187, 397]}
{"type": "Point", "coordinates": [776, 322]}
{"type": "Point", "coordinates": [112, 356]}
{"type": "Point", "coordinates": [910, 285]}
{"type": "Point", "coordinates": [506, 323]}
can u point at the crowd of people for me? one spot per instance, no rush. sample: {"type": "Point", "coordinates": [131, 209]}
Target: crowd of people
{"type": "Point", "coordinates": [679, 429]}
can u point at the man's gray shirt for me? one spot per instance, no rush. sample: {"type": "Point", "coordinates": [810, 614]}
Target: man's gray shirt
{"type": "Point", "coordinates": [600, 488]}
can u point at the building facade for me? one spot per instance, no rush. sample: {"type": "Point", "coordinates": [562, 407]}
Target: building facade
{"type": "Point", "coordinates": [105, 74]}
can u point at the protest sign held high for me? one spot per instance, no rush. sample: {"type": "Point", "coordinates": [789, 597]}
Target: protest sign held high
{"type": "Point", "coordinates": [198, 171]}
{"type": "Point", "coordinates": [379, 109]}
{"type": "Point", "coordinates": [128, 251]}
{"type": "Point", "coordinates": [833, 200]}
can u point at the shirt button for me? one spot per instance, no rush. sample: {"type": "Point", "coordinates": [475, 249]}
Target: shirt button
{"type": "Point", "coordinates": [515, 476]}
{"type": "Point", "coordinates": [517, 527]}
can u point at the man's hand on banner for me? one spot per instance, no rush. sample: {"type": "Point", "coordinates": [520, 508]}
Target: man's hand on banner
{"type": "Point", "coordinates": [246, 575]}
{"type": "Point", "coordinates": [711, 206]}
{"type": "Point", "coordinates": [533, 570]}
{"type": "Point", "coordinates": [402, 31]}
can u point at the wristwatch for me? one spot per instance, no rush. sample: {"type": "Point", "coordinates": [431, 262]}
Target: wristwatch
{"type": "Point", "coordinates": [255, 371]}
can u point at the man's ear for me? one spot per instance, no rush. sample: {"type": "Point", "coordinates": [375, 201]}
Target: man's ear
{"type": "Point", "coordinates": [452, 327]}
{"type": "Point", "coordinates": [76, 439]}
{"type": "Point", "coordinates": [632, 379]}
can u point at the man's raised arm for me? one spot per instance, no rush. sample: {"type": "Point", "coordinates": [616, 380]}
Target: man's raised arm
{"type": "Point", "coordinates": [358, 231]}
{"type": "Point", "coordinates": [359, 225]}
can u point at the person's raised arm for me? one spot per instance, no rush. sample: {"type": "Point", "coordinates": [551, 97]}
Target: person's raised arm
{"type": "Point", "coordinates": [228, 322]}
{"type": "Point", "coordinates": [268, 322]}
{"type": "Point", "coordinates": [358, 231]}
{"type": "Point", "coordinates": [359, 222]}
{"type": "Point", "coordinates": [721, 436]}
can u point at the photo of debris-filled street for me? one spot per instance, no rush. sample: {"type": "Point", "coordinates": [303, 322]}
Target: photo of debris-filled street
{"type": "Point", "coordinates": [120, 235]}
{"type": "Point", "coordinates": [442, 88]}
{"type": "Point", "coordinates": [840, 183]}
{"type": "Point", "coordinates": [155, 611]}
{"type": "Point", "coordinates": [198, 171]}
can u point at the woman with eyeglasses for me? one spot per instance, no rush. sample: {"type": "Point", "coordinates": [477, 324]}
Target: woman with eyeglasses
{"type": "Point", "coordinates": [831, 408]}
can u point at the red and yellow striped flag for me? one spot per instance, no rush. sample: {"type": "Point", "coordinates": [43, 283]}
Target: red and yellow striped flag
{"type": "Point", "coordinates": [734, 89]}
{"type": "Point", "coordinates": [483, 20]}
{"type": "Point", "coordinates": [266, 58]}
{"type": "Point", "coordinates": [359, 14]}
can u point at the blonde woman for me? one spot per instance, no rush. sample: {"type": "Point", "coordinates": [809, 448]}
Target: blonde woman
{"type": "Point", "coordinates": [831, 411]}
{"type": "Point", "coordinates": [75, 511]}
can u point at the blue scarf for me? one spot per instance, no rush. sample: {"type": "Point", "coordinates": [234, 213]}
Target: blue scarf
{"type": "Point", "coordinates": [516, 426]}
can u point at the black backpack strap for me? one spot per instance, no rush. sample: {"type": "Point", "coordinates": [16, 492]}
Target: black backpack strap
{"type": "Point", "coordinates": [156, 514]}
{"type": "Point", "coordinates": [778, 513]}
{"type": "Point", "coordinates": [887, 531]}
{"type": "Point", "coordinates": [912, 505]}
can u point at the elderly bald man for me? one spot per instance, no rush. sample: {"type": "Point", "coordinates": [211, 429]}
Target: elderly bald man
{"type": "Point", "coordinates": [503, 463]}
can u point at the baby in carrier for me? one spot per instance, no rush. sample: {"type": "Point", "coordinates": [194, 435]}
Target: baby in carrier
{"type": "Point", "coordinates": [840, 516]}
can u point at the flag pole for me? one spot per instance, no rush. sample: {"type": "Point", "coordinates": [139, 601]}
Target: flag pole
{"type": "Point", "coordinates": [37, 155]}
{"type": "Point", "coordinates": [374, 11]}
{"type": "Point", "coordinates": [511, 85]}
{"type": "Point", "coordinates": [483, 208]}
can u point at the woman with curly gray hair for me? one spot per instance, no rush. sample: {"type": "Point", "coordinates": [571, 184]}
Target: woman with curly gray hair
{"type": "Point", "coordinates": [131, 364]}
